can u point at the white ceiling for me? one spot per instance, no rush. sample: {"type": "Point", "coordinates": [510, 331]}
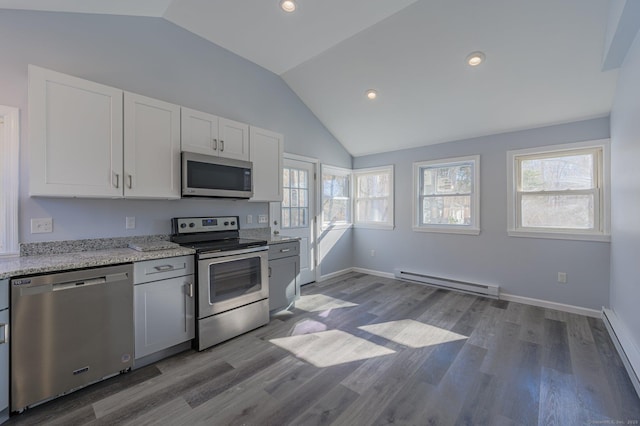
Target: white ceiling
{"type": "Point", "coordinates": [543, 66]}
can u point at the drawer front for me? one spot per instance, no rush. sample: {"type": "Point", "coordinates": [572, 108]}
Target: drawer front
{"type": "Point", "coordinates": [4, 294]}
{"type": "Point", "coordinates": [277, 251]}
{"type": "Point", "coordinates": [162, 269]}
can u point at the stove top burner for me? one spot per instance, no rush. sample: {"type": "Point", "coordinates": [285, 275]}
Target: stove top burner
{"type": "Point", "coordinates": [211, 234]}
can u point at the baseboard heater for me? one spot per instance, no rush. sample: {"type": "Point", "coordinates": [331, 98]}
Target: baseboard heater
{"type": "Point", "coordinates": [610, 322]}
{"type": "Point", "coordinates": [487, 290]}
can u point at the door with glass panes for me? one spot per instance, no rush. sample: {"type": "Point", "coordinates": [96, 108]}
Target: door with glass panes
{"type": "Point", "coordinates": [298, 212]}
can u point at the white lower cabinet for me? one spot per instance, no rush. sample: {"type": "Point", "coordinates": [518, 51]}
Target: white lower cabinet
{"type": "Point", "coordinates": [4, 350]}
{"type": "Point", "coordinates": [164, 305]}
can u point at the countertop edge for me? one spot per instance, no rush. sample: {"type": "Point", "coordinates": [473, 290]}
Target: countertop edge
{"type": "Point", "coordinates": [30, 265]}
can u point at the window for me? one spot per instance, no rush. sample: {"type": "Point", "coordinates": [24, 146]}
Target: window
{"type": "Point", "coordinates": [9, 141]}
{"type": "Point", "coordinates": [447, 195]}
{"type": "Point", "coordinates": [559, 192]}
{"type": "Point", "coordinates": [295, 198]}
{"type": "Point", "coordinates": [373, 197]}
{"type": "Point", "coordinates": [336, 199]}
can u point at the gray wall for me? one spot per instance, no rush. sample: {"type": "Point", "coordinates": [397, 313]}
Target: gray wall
{"type": "Point", "coordinates": [158, 59]}
{"type": "Point", "coordinates": [525, 267]}
{"type": "Point", "coordinates": [625, 194]}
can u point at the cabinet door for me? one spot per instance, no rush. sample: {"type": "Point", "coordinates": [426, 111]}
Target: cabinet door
{"type": "Point", "coordinates": [234, 139]}
{"type": "Point", "coordinates": [164, 314]}
{"type": "Point", "coordinates": [75, 136]}
{"type": "Point", "coordinates": [4, 361]}
{"type": "Point", "coordinates": [199, 132]}
{"type": "Point", "coordinates": [284, 286]}
{"type": "Point", "coordinates": [151, 148]}
{"type": "Point", "coordinates": [266, 155]}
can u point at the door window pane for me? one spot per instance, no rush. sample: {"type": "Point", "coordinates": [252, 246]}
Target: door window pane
{"type": "Point", "coordinates": [295, 198]}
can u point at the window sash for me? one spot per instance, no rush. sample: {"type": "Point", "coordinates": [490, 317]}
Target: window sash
{"type": "Point", "coordinates": [363, 217]}
{"type": "Point", "coordinates": [342, 199]}
{"type": "Point", "coordinates": [596, 191]}
{"type": "Point", "coordinates": [419, 196]}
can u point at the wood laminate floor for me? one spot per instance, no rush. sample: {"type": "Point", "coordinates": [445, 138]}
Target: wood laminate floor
{"type": "Point", "coordinates": [364, 350]}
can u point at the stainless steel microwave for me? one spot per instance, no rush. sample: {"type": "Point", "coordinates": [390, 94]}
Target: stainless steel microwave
{"type": "Point", "coordinates": [209, 176]}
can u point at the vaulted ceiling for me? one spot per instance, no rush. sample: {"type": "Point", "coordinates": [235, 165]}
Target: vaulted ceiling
{"type": "Point", "coordinates": [543, 60]}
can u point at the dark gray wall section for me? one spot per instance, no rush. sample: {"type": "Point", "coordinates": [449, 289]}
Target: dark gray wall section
{"type": "Point", "coordinates": [522, 266]}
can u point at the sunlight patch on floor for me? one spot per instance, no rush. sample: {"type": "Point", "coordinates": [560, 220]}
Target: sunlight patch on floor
{"type": "Point", "coordinates": [320, 302]}
{"type": "Point", "coordinates": [413, 334]}
{"type": "Point", "coordinates": [328, 348]}
{"type": "Point", "coordinates": [308, 327]}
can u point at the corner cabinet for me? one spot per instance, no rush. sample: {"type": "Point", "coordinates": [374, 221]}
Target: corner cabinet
{"type": "Point", "coordinates": [208, 134]}
{"type": "Point", "coordinates": [75, 136]}
{"type": "Point", "coordinates": [4, 350]}
{"type": "Point", "coordinates": [265, 148]}
{"type": "Point", "coordinates": [151, 148]}
{"type": "Point", "coordinates": [88, 140]}
{"type": "Point", "coordinates": [284, 274]}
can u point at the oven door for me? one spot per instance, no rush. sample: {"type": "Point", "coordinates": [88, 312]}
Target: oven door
{"type": "Point", "coordinates": [231, 279]}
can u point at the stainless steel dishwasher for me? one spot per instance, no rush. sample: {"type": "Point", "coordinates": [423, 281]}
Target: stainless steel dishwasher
{"type": "Point", "coordinates": [69, 330]}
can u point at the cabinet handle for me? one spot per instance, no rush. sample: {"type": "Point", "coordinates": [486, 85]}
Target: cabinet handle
{"type": "Point", "coordinates": [130, 179]}
{"type": "Point", "coordinates": [285, 250]}
{"type": "Point", "coordinates": [3, 333]}
{"type": "Point", "coordinates": [221, 145]}
{"type": "Point", "coordinates": [190, 289]}
{"type": "Point", "coordinates": [164, 268]}
{"type": "Point", "coordinates": [214, 144]}
{"type": "Point", "coordinates": [269, 271]}
{"type": "Point", "coordinates": [115, 176]}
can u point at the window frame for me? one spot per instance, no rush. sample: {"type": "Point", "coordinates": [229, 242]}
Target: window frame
{"type": "Point", "coordinates": [9, 180]}
{"type": "Point", "coordinates": [602, 226]}
{"type": "Point", "coordinates": [336, 171]}
{"type": "Point", "coordinates": [474, 227]}
{"type": "Point", "coordinates": [357, 173]}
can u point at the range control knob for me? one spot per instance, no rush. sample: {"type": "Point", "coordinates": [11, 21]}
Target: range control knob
{"type": "Point", "coordinates": [233, 223]}
{"type": "Point", "coordinates": [183, 225]}
{"type": "Point", "coordinates": [226, 224]}
{"type": "Point", "coordinates": [192, 225]}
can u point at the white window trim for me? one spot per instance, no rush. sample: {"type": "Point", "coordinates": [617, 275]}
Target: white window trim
{"type": "Point", "coordinates": [474, 228]}
{"type": "Point", "coordinates": [374, 225]}
{"type": "Point", "coordinates": [337, 171]}
{"type": "Point", "coordinates": [9, 178]}
{"type": "Point", "coordinates": [602, 235]}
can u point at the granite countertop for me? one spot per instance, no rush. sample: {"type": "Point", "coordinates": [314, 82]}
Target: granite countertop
{"type": "Point", "coordinates": [278, 239]}
{"type": "Point", "coordinates": [55, 256]}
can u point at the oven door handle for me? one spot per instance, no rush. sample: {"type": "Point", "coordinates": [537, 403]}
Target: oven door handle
{"type": "Point", "coordinates": [232, 252]}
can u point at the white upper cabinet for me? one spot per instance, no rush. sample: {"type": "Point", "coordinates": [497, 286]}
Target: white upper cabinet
{"type": "Point", "coordinates": [266, 154]}
{"type": "Point", "coordinates": [151, 148]}
{"type": "Point", "coordinates": [75, 136]}
{"type": "Point", "coordinates": [208, 134]}
{"type": "Point", "coordinates": [88, 140]}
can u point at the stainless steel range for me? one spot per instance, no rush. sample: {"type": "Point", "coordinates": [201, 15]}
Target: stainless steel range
{"type": "Point", "coordinates": [232, 277]}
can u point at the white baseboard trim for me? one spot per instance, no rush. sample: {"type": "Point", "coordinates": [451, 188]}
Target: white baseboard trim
{"type": "Point", "coordinates": [374, 272]}
{"type": "Point", "coordinates": [628, 351]}
{"type": "Point", "coordinates": [503, 296]}
{"type": "Point", "coordinates": [334, 274]}
{"type": "Point", "coordinates": [551, 305]}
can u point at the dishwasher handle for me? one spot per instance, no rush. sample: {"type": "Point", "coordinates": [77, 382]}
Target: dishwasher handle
{"type": "Point", "coordinates": [70, 285]}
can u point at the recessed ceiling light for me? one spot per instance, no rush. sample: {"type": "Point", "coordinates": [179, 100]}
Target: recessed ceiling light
{"type": "Point", "coordinates": [475, 58]}
{"type": "Point", "coordinates": [288, 5]}
{"type": "Point", "coordinates": [371, 94]}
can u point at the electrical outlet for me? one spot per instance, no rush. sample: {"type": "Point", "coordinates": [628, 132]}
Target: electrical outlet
{"type": "Point", "coordinates": [262, 218]}
{"type": "Point", "coordinates": [249, 218]}
{"type": "Point", "coordinates": [130, 222]}
{"type": "Point", "coordinates": [42, 225]}
{"type": "Point", "coordinates": [562, 277]}
{"type": "Point", "coordinates": [373, 253]}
